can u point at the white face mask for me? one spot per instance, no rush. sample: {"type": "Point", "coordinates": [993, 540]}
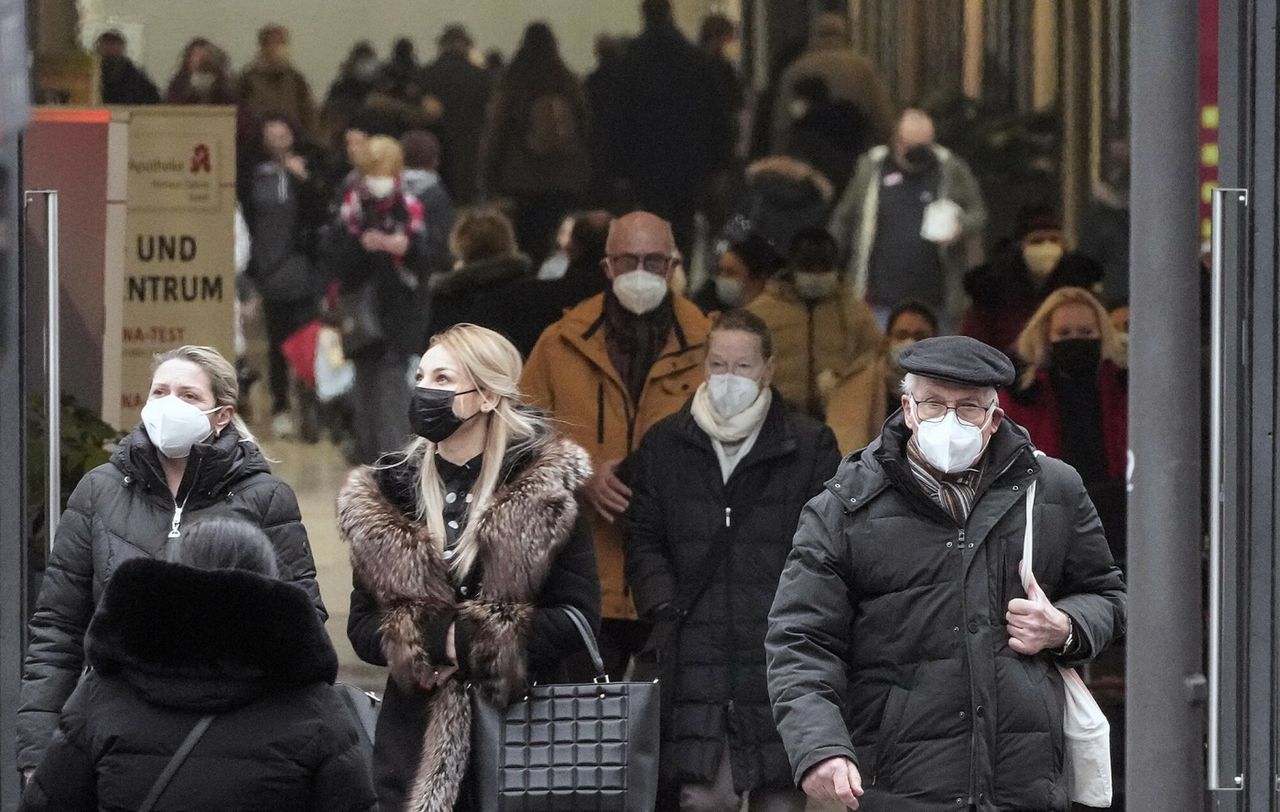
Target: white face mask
{"type": "Point", "coordinates": [812, 286]}
{"type": "Point", "coordinates": [202, 81]}
{"type": "Point", "coordinates": [730, 291]}
{"type": "Point", "coordinates": [949, 445]}
{"type": "Point", "coordinates": [731, 394]}
{"type": "Point", "coordinates": [380, 186]}
{"type": "Point", "coordinates": [639, 291]}
{"type": "Point", "coordinates": [175, 425]}
{"type": "Point", "coordinates": [1042, 258]}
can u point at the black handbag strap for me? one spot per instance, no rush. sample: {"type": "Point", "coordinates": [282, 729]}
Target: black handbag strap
{"type": "Point", "coordinates": [588, 638]}
{"type": "Point", "coordinates": [184, 750]}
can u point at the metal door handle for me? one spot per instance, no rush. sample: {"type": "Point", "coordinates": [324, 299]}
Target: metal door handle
{"type": "Point", "coordinates": [53, 395]}
{"type": "Point", "coordinates": [1216, 496]}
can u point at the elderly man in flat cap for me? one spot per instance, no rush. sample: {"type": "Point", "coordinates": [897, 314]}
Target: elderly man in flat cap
{"type": "Point", "coordinates": [909, 669]}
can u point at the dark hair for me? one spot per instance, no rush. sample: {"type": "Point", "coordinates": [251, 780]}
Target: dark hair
{"type": "Point", "coordinates": [758, 254]}
{"type": "Point", "coordinates": [224, 544]}
{"type": "Point", "coordinates": [421, 149]}
{"type": "Point", "coordinates": [455, 34]}
{"type": "Point", "coordinates": [1036, 217]}
{"type": "Point", "coordinates": [360, 51]}
{"type": "Point", "coordinates": [536, 68]}
{"type": "Point", "coordinates": [589, 235]}
{"type": "Point", "coordinates": [655, 12]}
{"type": "Point", "coordinates": [812, 247]}
{"type": "Point", "coordinates": [918, 308]}
{"type": "Point", "coordinates": [271, 31]}
{"type": "Point", "coordinates": [402, 50]}
{"type": "Point", "coordinates": [112, 36]}
{"type": "Point", "coordinates": [747, 322]}
{"type": "Point", "coordinates": [715, 26]}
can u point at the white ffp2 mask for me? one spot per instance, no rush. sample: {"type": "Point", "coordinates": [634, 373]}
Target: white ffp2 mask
{"type": "Point", "coordinates": [640, 291]}
{"type": "Point", "coordinates": [949, 445]}
{"type": "Point", "coordinates": [175, 425]}
{"type": "Point", "coordinates": [731, 394]}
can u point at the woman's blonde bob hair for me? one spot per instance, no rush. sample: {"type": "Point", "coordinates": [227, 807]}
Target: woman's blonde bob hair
{"type": "Point", "coordinates": [1032, 345]}
{"type": "Point", "coordinates": [494, 366]}
{"type": "Point", "coordinates": [222, 379]}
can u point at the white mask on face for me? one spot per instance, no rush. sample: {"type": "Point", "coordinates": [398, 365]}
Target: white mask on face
{"type": "Point", "coordinates": [639, 291]}
{"type": "Point", "coordinates": [1042, 258]}
{"type": "Point", "coordinates": [948, 445]}
{"type": "Point", "coordinates": [175, 425]}
{"type": "Point", "coordinates": [380, 186]}
{"type": "Point", "coordinates": [731, 394]}
{"type": "Point", "coordinates": [202, 81]}
{"type": "Point", "coordinates": [813, 286]}
{"type": "Point", "coordinates": [730, 292]}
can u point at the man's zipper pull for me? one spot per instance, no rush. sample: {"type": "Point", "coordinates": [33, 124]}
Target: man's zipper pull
{"type": "Point", "coordinates": [177, 521]}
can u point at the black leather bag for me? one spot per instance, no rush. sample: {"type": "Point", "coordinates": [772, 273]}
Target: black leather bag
{"type": "Point", "coordinates": [591, 746]}
{"type": "Point", "coordinates": [362, 326]}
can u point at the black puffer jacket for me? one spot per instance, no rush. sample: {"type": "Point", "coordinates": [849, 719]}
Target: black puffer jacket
{"type": "Point", "coordinates": [170, 644]}
{"type": "Point", "coordinates": [887, 641]}
{"type": "Point", "coordinates": [681, 505]}
{"type": "Point", "coordinates": [122, 510]}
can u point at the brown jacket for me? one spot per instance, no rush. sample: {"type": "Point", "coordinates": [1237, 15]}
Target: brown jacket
{"type": "Point", "coordinates": [570, 376]}
{"type": "Point", "coordinates": [825, 359]}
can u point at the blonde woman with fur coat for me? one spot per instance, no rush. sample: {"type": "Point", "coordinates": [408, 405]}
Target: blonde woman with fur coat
{"type": "Point", "coordinates": [464, 546]}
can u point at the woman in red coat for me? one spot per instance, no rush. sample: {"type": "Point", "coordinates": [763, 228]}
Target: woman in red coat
{"type": "Point", "coordinates": [1072, 395]}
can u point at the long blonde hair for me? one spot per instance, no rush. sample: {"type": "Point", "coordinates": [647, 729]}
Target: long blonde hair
{"type": "Point", "coordinates": [222, 380]}
{"type": "Point", "coordinates": [1032, 345]}
{"type": "Point", "coordinates": [494, 365]}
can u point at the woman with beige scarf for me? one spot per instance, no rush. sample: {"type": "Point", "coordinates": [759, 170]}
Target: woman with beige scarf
{"type": "Point", "coordinates": [718, 488]}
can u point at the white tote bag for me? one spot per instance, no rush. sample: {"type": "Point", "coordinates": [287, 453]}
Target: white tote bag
{"type": "Point", "coordinates": [1087, 731]}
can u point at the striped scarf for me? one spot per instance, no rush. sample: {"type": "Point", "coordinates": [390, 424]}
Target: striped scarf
{"type": "Point", "coordinates": [954, 493]}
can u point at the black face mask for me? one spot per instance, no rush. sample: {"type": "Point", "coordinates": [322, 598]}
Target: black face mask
{"type": "Point", "coordinates": [431, 414]}
{"type": "Point", "coordinates": [920, 158]}
{"type": "Point", "coordinates": [1076, 357]}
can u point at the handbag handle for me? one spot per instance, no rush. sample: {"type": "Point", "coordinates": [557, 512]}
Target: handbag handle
{"type": "Point", "coordinates": [1027, 534]}
{"type": "Point", "coordinates": [588, 639]}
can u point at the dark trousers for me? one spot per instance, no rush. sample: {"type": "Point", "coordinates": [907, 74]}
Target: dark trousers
{"type": "Point", "coordinates": [380, 404]}
{"type": "Point", "coordinates": [283, 319]}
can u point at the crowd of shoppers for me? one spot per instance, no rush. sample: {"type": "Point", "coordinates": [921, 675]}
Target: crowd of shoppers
{"type": "Point", "coordinates": [541, 415]}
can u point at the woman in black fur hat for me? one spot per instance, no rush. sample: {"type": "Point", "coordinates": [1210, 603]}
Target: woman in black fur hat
{"type": "Point", "coordinates": [211, 632]}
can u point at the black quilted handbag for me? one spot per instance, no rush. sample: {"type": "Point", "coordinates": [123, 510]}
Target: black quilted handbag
{"type": "Point", "coordinates": [568, 748]}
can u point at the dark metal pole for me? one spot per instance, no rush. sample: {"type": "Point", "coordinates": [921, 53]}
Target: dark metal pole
{"type": "Point", "coordinates": [1165, 754]}
{"type": "Point", "coordinates": [13, 526]}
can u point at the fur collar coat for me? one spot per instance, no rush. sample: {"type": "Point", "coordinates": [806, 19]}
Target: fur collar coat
{"type": "Point", "coordinates": [521, 532]}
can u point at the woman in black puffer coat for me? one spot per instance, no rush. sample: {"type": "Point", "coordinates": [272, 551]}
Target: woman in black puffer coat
{"type": "Point", "coordinates": [213, 634]}
{"type": "Point", "coordinates": [732, 470]}
{"type": "Point", "coordinates": [138, 505]}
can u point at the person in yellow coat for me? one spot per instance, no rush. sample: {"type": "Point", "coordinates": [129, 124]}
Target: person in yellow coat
{"type": "Point", "coordinates": [828, 344]}
{"type": "Point", "coordinates": [614, 365]}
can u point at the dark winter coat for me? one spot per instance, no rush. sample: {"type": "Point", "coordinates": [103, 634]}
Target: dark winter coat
{"type": "Point", "coordinates": [681, 506]}
{"type": "Point", "coordinates": [169, 644]}
{"type": "Point", "coordinates": [783, 195]}
{"type": "Point", "coordinates": [511, 163]}
{"type": "Point", "coordinates": [664, 114]}
{"type": "Point", "coordinates": [1036, 409]}
{"type": "Point", "coordinates": [463, 91]}
{"type": "Point", "coordinates": [1004, 295]}
{"type": "Point", "coordinates": [529, 306]}
{"type": "Point", "coordinates": [284, 214]}
{"type": "Point", "coordinates": [122, 510]}
{"type": "Point", "coordinates": [536, 555]}
{"type": "Point", "coordinates": [887, 642]}
{"type": "Point", "coordinates": [476, 293]}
